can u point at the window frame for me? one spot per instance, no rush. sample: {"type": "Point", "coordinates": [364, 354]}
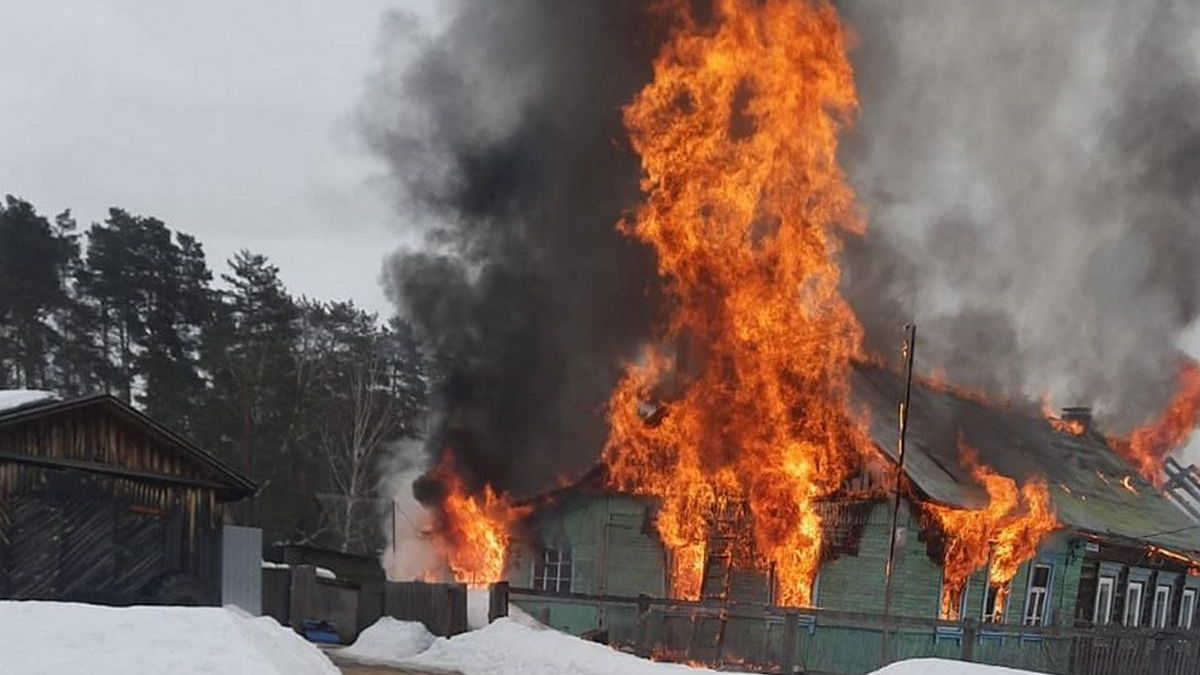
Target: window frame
{"type": "Point", "coordinates": [1101, 583]}
{"type": "Point", "coordinates": [1043, 593]}
{"type": "Point", "coordinates": [563, 560]}
{"type": "Point", "coordinates": [1159, 614]}
{"type": "Point", "coordinates": [992, 591]}
{"type": "Point", "coordinates": [1137, 608]}
{"type": "Point", "coordinates": [962, 599]}
{"type": "Point", "coordinates": [1188, 599]}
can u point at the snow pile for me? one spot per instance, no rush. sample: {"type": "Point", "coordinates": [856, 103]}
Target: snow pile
{"type": "Point", "coordinates": [945, 667]}
{"type": "Point", "coordinates": [509, 648]}
{"type": "Point", "coordinates": [11, 399]}
{"type": "Point", "coordinates": [68, 638]}
{"type": "Point", "coordinates": [388, 641]}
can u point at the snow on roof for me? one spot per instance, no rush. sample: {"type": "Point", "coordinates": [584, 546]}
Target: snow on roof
{"type": "Point", "coordinates": [63, 638]}
{"type": "Point", "coordinates": [11, 399]}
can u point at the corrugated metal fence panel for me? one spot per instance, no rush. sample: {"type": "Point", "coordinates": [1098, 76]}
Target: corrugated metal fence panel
{"type": "Point", "coordinates": [241, 568]}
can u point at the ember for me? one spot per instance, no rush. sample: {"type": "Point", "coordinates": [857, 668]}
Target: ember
{"type": "Point", "coordinates": [474, 530]}
{"type": "Point", "coordinates": [1148, 446]}
{"type": "Point", "coordinates": [743, 194]}
{"type": "Point", "coordinates": [1006, 532]}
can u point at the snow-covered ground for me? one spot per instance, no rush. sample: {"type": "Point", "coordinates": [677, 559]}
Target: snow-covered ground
{"type": "Point", "coordinates": [945, 667]}
{"type": "Point", "coordinates": [520, 646]}
{"type": "Point", "coordinates": [388, 641]}
{"type": "Point", "coordinates": [44, 638]}
{"type": "Point", "coordinates": [517, 645]}
{"type": "Point", "coordinates": [60, 638]}
{"type": "Point", "coordinates": [11, 399]}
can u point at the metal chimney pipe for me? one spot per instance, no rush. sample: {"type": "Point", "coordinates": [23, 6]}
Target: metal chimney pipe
{"type": "Point", "coordinates": [1078, 413]}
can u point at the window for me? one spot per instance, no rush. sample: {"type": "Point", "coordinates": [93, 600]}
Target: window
{"type": "Point", "coordinates": [552, 572]}
{"type": "Point", "coordinates": [1187, 607]}
{"type": "Point", "coordinates": [953, 605]}
{"type": "Point", "coordinates": [1039, 591]}
{"type": "Point", "coordinates": [993, 603]}
{"type": "Point", "coordinates": [1162, 606]}
{"type": "Point", "coordinates": [1102, 612]}
{"type": "Point", "coordinates": [1133, 604]}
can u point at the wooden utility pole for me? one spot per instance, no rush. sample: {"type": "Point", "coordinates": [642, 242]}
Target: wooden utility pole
{"type": "Point", "coordinates": [906, 352]}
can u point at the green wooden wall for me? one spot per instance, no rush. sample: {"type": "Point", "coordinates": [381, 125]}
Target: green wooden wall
{"type": "Point", "coordinates": [615, 552]}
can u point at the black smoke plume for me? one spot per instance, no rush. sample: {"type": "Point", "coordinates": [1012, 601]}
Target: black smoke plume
{"type": "Point", "coordinates": [504, 135]}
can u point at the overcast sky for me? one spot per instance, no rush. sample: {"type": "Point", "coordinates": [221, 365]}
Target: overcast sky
{"type": "Point", "coordinates": [227, 119]}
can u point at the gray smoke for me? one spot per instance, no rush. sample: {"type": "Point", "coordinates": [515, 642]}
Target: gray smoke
{"type": "Point", "coordinates": [1028, 169]}
{"type": "Point", "coordinates": [1030, 174]}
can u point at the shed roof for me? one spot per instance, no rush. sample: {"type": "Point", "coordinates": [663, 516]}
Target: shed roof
{"type": "Point", "coordinates": [224, 477]}
{"type": "Point", "coordinates": [1083, 472]}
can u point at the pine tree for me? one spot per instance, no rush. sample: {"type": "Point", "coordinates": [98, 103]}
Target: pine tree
{"type": "Point", "coordinates": [149, 290]}
{"type": "Point", "coordinates": [256, 401]}
{"type": "Point", "coordinates": [35, 257]}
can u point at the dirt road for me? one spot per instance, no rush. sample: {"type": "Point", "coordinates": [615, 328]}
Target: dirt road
{"type": "Point", "coordinates": [351, 668]}
{"type": "Point", "coordinates": [354, 669]}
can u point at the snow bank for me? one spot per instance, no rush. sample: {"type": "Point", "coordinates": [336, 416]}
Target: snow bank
{"type": "Point", "coordinates": [11, 399]}
{"type": "Point", "coordinates": [509, 648]}
{"type": "Point", "coordinates": [945, 667]}
{"type": "Point", "coordinates": [387, 642]}
{"type": "Point", "coordinates": [62, 638]}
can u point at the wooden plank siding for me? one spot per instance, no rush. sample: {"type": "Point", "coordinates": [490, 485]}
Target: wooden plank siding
{"type": "Point", "coordinates": [617, 557]}
{"type": "Point", "coordinates": [96, 507]}
{"type": "Point", "coordinates": [89, 435]}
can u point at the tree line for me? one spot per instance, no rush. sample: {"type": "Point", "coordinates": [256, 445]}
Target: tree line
{"type": "Point", "coordinates": [305, 396]}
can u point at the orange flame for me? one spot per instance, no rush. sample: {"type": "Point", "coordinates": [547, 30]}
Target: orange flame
{"type": "Point", "coordinates": [937, 380]}
{"type": "Point", "coordinates": [737, 134]}
{"type": "Point", "coordinates": [1007, 532]}
{"type": "Point", "coordinates": [475, 530]}
{"type": "Point", "coordinates": [1148, 446]}
{"type": "Point", "coordinates": [1062, 426]}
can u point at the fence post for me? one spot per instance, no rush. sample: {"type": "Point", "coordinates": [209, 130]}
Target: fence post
{"type": "Point", "coordinates": [967, 647]}
{"type": "Point", "coordinates": [303, 594]}
{"type": "Point", "coordinates": [497, 600]}
{"type": "Point", "coordinates": [1158, 661]}
{"type": "Point", "coordinates": [642, 634]}
{"type": "Point", "coordinates": [791, 642]}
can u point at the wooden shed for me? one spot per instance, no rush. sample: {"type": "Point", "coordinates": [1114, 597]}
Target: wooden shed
{"type": "Point", "coordinates": [100, 503]}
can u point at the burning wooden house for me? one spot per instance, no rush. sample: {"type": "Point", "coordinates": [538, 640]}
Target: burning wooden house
{"type": "Point", "coordinates": [100, 503]}
{"type": "Point", "coordinates": [1115, 555]}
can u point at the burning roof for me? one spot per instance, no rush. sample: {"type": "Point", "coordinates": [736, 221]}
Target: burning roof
{"type": "Point", "coordinates": [1093, 489]}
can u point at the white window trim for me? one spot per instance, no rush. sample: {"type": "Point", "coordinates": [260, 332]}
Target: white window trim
{"type": "Point", "coordinates": [1188, 600]}
{"type": "Point", "coordinates": [1136, 607]}
{"type": "Point", "coordinates": [1099, 618]}
{"type": "Point", "coordinates": [564, 556]}
{"type": "Point", "coordinates": [1161, 609]}
{"type": "Point", "coordinates": [1044, 593]}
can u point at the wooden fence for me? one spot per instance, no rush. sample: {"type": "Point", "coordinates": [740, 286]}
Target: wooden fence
{"type": "Point", "coordinates": [788, 640]}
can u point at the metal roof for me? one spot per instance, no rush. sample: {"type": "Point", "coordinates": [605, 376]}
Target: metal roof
{"type": "Point", "coordinates": [233, 481]}
{"type": "Point", "coordinates": [1084, 474]}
